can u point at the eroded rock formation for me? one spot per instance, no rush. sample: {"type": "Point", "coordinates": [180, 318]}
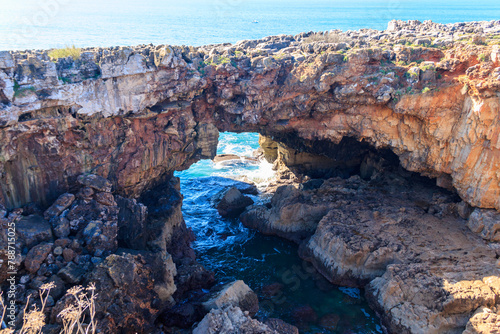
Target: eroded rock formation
{"type": "Point", "coordinates": [134, 115]}
{"type": "Point", "coordinates": [404, 239]}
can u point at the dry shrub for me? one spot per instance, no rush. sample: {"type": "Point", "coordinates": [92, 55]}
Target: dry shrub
{"type": "Point", "coordinates": [73, 316]}
{"type": "Point", "coordinates": [331, 37]}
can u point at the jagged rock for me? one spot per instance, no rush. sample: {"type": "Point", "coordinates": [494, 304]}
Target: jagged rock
{"type": "Point", "coordinates": [486, 223]}
{"type": "Point", "coordinates": [60, 226]}
{"type": "Point", "coordinates": [233, 203]}
{"type": "Point", "coordinates": [231, 320]}
{"type": "Point", "coordinates": [289, 216]}
{"type": "Point", "coordinates": [484, 321]}
{"type": "Point", "coordinates": [269, 148]}
{"type": "Point", "coordinates": [61, 204]}
{"type": "Point", "coordinates": [133, 290]}
{"type": "Point", "coordinates": [72, 273]}
{"type": "Point", "coordinates": [100, 236]}
{"type": "Point", "coordinates": [426, 272]}
{"type": "Point", "coordinates": [236, 293]}
{"type": "Point", "coordinates": [131, 222]}
{"type": "Point", "coordinates": [95, 182]}
{"type": "Point", "coordinates": [105, 199]}
{"type": "Point", "coordinates": [36, 256]}
{"type": "Point", "coordinates": [446, 130]}
{"type": "Point", "coordinates": [281, 327]}
{"type": "Point", "coordinates": [33, 230]}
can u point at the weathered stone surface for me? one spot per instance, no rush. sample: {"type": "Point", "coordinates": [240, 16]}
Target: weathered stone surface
{"type": "Point", "coordinates": [60, 226]}
{"type": "Point", "coordinates": [281, 327]}
{"type": "Point", "coordinates": [425, 271]}
{"type": "Point", "coordinates": [133, 290]}
{"type": "Point", "coordinates": [178, 98]}
{"type": "Point", "coordinates": [233, 203]}
{"type": "Point", "coordinates": [486, 223]}
{"type": "Point", "coordinates": [269, 148]}
{"type": "Point", "coordinates": [484, 321]}
{"type": "Point", "coordinates": [95, 182]}
{"type": "Point", "coordinates": [72, 273]}
{"type": "Point", "coordinates": [36, 256]}
{"type": "Point", "coordinates": [231, 320]}
{"type": "Point", "coordinates": [105, 199]}
{"type": "Point", "coordinates": [61, 204]}
{"type": "Point", "coordinates": [32, 230]}
{"type": "Point", "coordinates": [236, 293]}
{"type": "Point", "coordinates": [289, 216]}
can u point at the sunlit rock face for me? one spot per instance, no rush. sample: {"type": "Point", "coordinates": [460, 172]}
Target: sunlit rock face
{"type": "Point", "coordinates": [136, 114]}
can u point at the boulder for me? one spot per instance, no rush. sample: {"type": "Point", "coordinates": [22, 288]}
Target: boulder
{"type": "Point", "coordinates": [60, 226]}
{"type": "Point", "coordinates": [33, 230]}
{"type": "Point", "coordinates": [231, 320]}
{"type": "Point", "coordinates": [95, 182]}
{"type": "Point", "coordinates": [105, 199]}
{"type": "Point", "coordinates": [486, 223]}
{"type": "Point", "coordinates": [72, 273]}
{"type": "Point", "coordinates": [281, 327]}
{"type": "Point", "coordinates": [484, 321]}
{"type": "Point", "coordinates": [61, 204]}
{"type": "Point", "coordinates": [233, 203]}
{"type": "Point", "coordinates": [36, 256]}
{"type": "Point", "coordinates": [236, 293]}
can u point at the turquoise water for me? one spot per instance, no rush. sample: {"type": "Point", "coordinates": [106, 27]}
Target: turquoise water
{"type": "Point", "coordinates": [32, 24]}
{"type": "Point", "coordinates": [269, 265]}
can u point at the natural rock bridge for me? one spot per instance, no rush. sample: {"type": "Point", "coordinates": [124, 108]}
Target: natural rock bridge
{"type": "Point", "coordinates": [429, 93]}
{"type": "Point", "coordinates": [134, 115]}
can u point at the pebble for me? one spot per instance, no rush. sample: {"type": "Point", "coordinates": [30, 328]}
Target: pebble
{"type": "Point", "coordinates": [58, 250]}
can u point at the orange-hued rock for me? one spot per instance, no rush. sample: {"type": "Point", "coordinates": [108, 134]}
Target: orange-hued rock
{"type": "Point", "coordinates": [136, 114]}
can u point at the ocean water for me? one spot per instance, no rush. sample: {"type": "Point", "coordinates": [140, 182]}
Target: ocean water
{"type": "Point", "coordinates": [42, 24]}
{"type": "Point", "coordinates": [288, 288]}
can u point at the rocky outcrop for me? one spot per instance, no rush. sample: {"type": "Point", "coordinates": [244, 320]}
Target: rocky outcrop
{"type": "Point", "coordinates": [135, 114]}
{"type": "Point", "coordinates": [78, 240]}
{"type": "Point", "coordinates": [131, 116]}
{"type": "Point", "coordinates": [232, 203]}
{"type": "Point", "coordinates": [236, 293]}
{"type": "Point", "coordinates": [231, 320]}
{"type": "Point", "coordinates": [399, 236]}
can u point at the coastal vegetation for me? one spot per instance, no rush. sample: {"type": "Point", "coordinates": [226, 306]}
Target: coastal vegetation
{"type": "Point", "coordinates": [68, 51]}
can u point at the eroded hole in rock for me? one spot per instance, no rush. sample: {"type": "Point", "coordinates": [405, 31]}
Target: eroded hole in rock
{"type": "Point", "coordinates": [288, 287]}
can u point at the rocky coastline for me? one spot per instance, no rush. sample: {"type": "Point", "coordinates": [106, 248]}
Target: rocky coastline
{"type": "Point", "coordinates": [387, 144]}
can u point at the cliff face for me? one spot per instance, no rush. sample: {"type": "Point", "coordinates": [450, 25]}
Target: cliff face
{"type": "Point", "coordinates": [134, 115]}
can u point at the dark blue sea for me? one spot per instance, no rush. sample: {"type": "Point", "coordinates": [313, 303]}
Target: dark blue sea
{"type": "Point", "coordinates": [42, 24]}
{"type": "Point", "coordinates": [288, 288]}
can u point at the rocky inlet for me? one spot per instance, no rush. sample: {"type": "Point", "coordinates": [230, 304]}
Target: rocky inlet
{"type": "Point", "coordinates": [353, 120]}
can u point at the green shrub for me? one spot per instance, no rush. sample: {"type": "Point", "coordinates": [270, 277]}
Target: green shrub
{"type": "Point", "coordinates": [23, 91]}
{"type": "Point", "coordinates": [426, 90]}
{"type": "Point", "coordinates": [68, 51]}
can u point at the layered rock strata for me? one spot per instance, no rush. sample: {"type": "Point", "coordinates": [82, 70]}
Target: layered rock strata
{"type": "Point", "coordinates": [428, 92]}
{"type": "Point", "coordinates": [395, 233]}
{"type": "Point", "coordinates": [138, 255]}
{"type": "Point", "coordinates": [133, 115]}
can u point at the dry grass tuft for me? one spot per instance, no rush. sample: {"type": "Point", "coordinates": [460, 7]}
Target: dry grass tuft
{"type": "Point", "coordinates": [73, 316]}
{"type": "Point", "coordinates": [331, 37]}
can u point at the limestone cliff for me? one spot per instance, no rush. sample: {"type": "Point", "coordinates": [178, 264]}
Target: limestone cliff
{"type": "Point", "coordinates": [428, 92]}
